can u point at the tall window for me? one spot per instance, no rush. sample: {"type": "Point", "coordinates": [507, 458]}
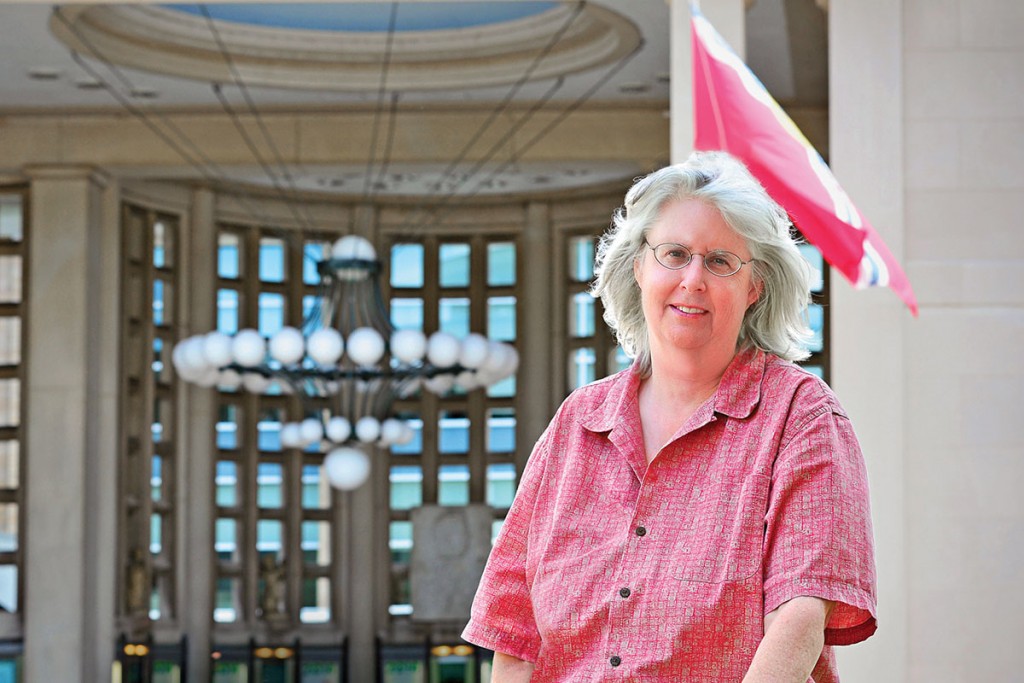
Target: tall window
{"type": "Point", "coordinates": [465, 443]}
{"type": "Point", "coordinates": [13, 219]}
{"type": "Point", "coordinates": [149, 463]}
{"type": "Point", "coordinates": [818, 314]}
{"type": "Point", "coordinates": [275, 514]}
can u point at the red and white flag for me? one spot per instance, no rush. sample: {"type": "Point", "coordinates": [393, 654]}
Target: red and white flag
{"type": "Point", "coordinates": [733, 112]}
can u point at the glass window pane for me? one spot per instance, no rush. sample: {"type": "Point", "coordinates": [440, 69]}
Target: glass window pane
{"type": "Point", "coordinates": [270, 485]}
{"type": "Point", "coordinates": [453, 260]}
{"type": "Point", "coordinates": [816, 321]}
{"type": "Point", "coordinates": [501, 264]}
{"type": "Point", "coordinates": [269, 430]}
{"type": "Point", "coordinates": [501, 484]}
{"type": "Point", "coordinates": [582, 367]}
{"type": "Point", "coordinates": [506, 388]}
{"type": "Point", "coordinates": [10, 341]}
{"type": "Point", "coordinates": [225, 540]}
{"type": "Point", "coordinates": [227, 604]}
{"type": "Point", "coordinates": [8, 527]}
{"type": "Point", "coordinates": [272, 261]}
{"type": "Point", "coordinates": [155, 534]}
{"type": "Point", "coordinates": [407, 265]}
{"type": "Point", "coordinates": [581, 315]}
{"type": "Point", "coordinates": [271, 314]}
{"type": "Point", "coordinates": [501, 318]}
{"type": "Point", "coordinates": [315, 607]}
{"type": "Point", "coordinates": [454, 314]}
{"type": "Point", "coordinates": [10, 217]}
{"type": "Point", "coordinates": [619, 360]}
{"type": "Point", "coordinates": [581, 259]}
{"type": "Point", "coordinates": [815, 369]}
{"type": "Point", "coordinates": [228, 257]}
{"type": "Point", "coordinates": [316, 492]}
{"type": "Point", "coordinates": [400, 542]}
{"type": "Point", "coordinates": [163, 244]}
{"type": "Point", "coordinates": [10, 454]}
{"type": "Point", "coordinates": [228, 421]}
{"type": "Point", "coordinates": [312, 254]}
{"type": "Point", "coordinates": [10, 279]}
{"type": "Point", "coordinates": [501, 430]}
{"type": "Point", "coordinates": [10, 402]}
{"type": "Point", "coordinates": [813, 256]}
{"type": "Point", "coordinates": [496, 529]}
{"type": "Point", "coordinates": [453, 485]}
{"type": "Point", "coordinates": [226, 482]}
{"type": "Point", "coordinates": [453, 433]}
{"type": "Point", "coordinates": [316, 543]}
{"type": "Point", "coordinates": [163, 302]}
{"type": "Point", "coordinates": [407, 314]}
{"type": "Point", "coordinates": [9, 593]}
{"type": "Point", "coordinates": [156, 479]}
{"type": "Point", "coordinates": [227, 311]}
{"type": "Point", "coordinates": [406, 486]}
{"type": "Point", "coordinates": [269, 535]}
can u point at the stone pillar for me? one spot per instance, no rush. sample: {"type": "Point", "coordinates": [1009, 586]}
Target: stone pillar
{"type": "Point", "coordinates": [535, 367]}
{"type": "Point", "coordinates": [868, 372]}
{"type": "Point", "coordinates": [69, 326]}
{"type": "Point", "coordinates": [195, 434]}
{"type": "Point", "coordinates": [728, 18]}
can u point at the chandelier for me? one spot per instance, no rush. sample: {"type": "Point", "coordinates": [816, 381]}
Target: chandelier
{"type": "Point", "coordinates": [348, 365]}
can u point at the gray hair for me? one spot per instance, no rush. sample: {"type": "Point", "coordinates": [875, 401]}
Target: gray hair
{"type": "Point", "coordinates": [775, 322]}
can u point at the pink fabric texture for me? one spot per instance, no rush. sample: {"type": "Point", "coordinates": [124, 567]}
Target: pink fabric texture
{"type": "Point", "coordinates": [609, 570]}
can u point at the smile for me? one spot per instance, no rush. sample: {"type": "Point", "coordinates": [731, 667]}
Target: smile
{"type": "Point", "coordinates": [688, 309]}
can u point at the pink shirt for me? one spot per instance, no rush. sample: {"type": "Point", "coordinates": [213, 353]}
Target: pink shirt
{"type": "Point", "coordinates": [607, 569]}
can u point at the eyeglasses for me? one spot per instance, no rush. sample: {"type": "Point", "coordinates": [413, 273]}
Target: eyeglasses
{"type": "Point", "coordinates": [718, 262]}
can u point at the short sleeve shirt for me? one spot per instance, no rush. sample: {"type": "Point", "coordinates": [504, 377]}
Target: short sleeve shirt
{"type": "Point", "coordinates": [608, 569]}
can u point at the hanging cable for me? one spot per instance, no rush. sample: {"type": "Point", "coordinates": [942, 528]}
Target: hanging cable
{"type": "Point", "coordinates": [381, 89]}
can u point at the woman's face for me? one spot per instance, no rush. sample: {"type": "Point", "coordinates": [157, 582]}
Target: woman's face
{"type": "Point", "coordinates": [692, 309]}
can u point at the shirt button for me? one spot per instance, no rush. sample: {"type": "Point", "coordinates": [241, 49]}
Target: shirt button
{"type": "Point", "coordinates": [640, 531]}
{"type": "Point", "coordinates": [615, 661]}
{"type": "Point", "coordinates": [624, 592]}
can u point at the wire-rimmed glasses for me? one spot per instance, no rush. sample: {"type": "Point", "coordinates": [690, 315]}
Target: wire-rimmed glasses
{"type": "Point", "coordinates": [676, 257]}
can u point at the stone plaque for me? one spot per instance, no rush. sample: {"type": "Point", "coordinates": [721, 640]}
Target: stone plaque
{"type": "Point", "coordinates": [449, 551]}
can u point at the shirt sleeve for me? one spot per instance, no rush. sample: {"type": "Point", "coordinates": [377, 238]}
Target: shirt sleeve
{"type": "Point", "coordinates": [502, 617]}
{"type": "Point", "coordinates": [818, 534]}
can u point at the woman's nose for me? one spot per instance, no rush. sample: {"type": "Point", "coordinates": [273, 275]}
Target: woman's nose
{"type": "Point", "coordinates": [693, 273]}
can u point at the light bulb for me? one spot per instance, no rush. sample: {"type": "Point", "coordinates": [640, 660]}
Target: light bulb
{"type": "Point", "coordinates": [291, 435]}
{"type": "Point", "coordinates": [248, 348]}
{"type": "Point", "coordinates": [367, 429]}
{"type": "Point", "coordinates": [325, 346]}
{"type": "Point", "coordinates": [193, 357]}
{"type": "Point", "coordinates": [440, 384]}
{"type": "Point", "coordinates": [391, 431]}
{"type": "Point", "coordinates": [339, 429]}
{"type": "Point", "coordinates": [255, 383]}
{"type": "Point", "coordinates": [407, 435]}
{"type": "Point", "coordinates": [408, 346]}
{"type": "Point", "coordinates": [443, 349]}
{"type": "Point", "coordinates": [217, 349]}
{"type": "Point", "coordinates": [311, 430]}
{"type": "Point", "coordinates": [346, 468]}
{"type": "Point", "coordinates": [474, 351]}
{"type": "Point", "coordinates": [287, 346]}
{"type": "Point", "coordinates": [353, 247]}
{"type": "Point", "coordinates": [365, 346]}
{"type": "Point", "coordinates": [229, 380]}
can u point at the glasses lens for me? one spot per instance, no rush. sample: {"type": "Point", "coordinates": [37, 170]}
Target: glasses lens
{"type": "Point", "coordinates": [672, 256]}
{"type": "Point", "coordinates": [722, 263]}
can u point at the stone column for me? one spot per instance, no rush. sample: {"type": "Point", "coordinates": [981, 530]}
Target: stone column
{"type": "Point", "coordinates": [728, 18]}
{"type": "Point", "coordinates": [197, 454]}
{"type": "Point", "coordinates": [69, 328]}
{"type": "Point", "coordinates": [535, 367]}
{"type": "Point", "coordinates": [868, 369]}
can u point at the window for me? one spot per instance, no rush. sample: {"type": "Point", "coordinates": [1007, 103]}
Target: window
{"type": "Point", "coordinates": [148, 458]}
{"type": "Point", "coordinates": [465, 442]}
{"type": "Point", "coordinates": [818, 313]}
{"type": "Point", "coordinates": [275, 517]}
{"type": "Point", "coordinates": [13, 312]}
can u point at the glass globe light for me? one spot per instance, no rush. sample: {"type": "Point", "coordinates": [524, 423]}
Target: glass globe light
{"type": "Point", "coordinates": [365, 346]}
{"type": "Point", "coordinates": [325, 346]}
{"type": "Point", "coordinates": [367, 429]}
{"type": "Point", "coordinates": [217, 349]}
{"type": "Point", "coordinates": [248, 348]}
{"type": "Point", "coordinates": [339, 429]}
{"type": "Point", "coordinates": [287, 346]}
{"type": "Point", "coordinates": [346, 468]}
{"type": "Point", "coordinates": [408, 346]}
{"type": "Point", "coordinates": [443, 350]}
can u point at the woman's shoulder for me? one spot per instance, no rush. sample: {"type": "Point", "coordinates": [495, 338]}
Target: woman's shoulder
{"type": "Point", "coordinates": [805, 390]}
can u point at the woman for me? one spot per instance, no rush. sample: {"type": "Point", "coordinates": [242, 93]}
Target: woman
{"type": "Point", "coordinates": [702, 516]}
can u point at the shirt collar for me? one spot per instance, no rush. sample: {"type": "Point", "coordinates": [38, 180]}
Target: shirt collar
{"type": "Point", "coordinates": [738, 392]}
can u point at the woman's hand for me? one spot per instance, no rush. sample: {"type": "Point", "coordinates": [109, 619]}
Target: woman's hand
{"type": "Point", "coordinates": [794, 636]}
{"type": "Point", "coordinates": [509, 669]}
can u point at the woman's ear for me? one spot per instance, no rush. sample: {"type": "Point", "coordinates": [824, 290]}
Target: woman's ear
{"type": "Point", "coordinates": [756, 288]}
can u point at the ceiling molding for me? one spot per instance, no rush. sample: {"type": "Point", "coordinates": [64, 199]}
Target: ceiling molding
{"type": "Point", "coordinates": [163, 41]}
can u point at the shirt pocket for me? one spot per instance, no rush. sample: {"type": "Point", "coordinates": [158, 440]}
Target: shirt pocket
{"type": "Point", "coordinates": [722, 536]}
